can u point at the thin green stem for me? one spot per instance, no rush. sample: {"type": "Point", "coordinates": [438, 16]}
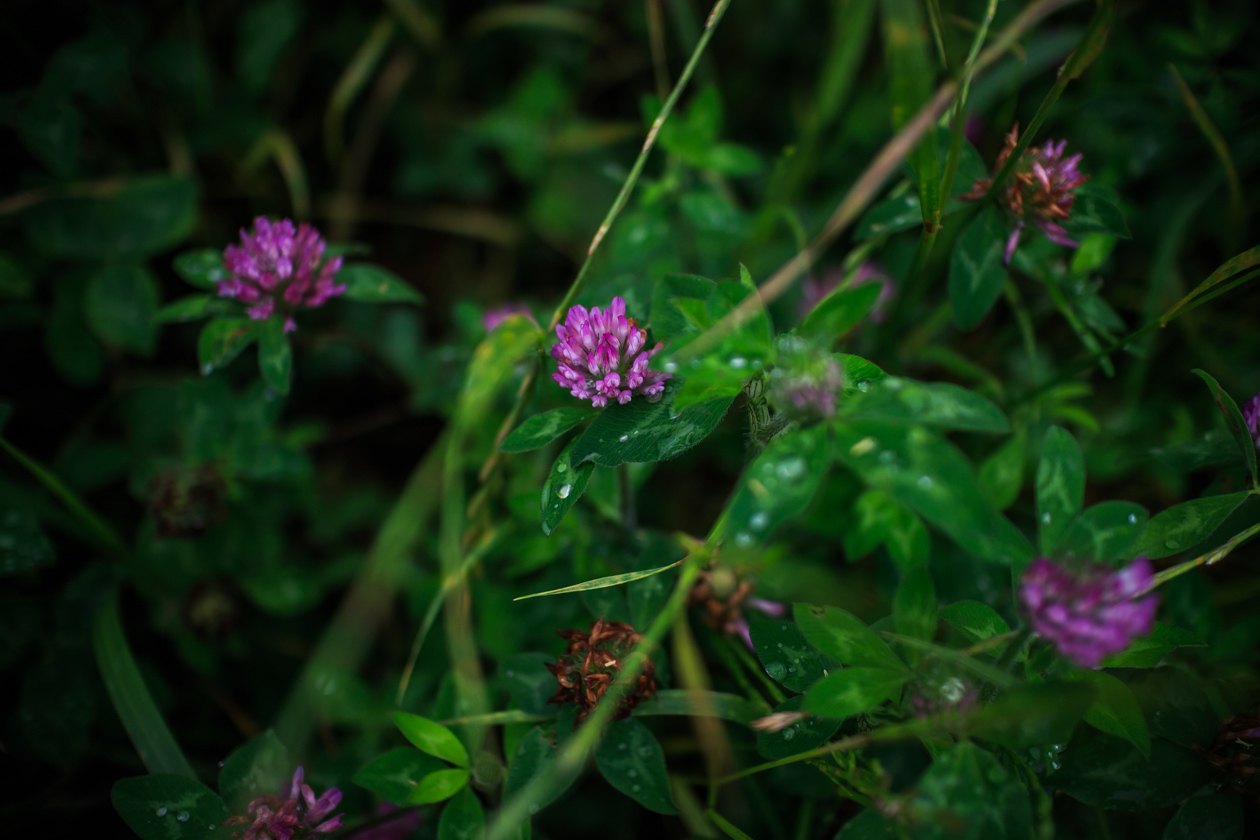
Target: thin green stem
{"type": "Point", "coordinates": [937, 24]}
{"type": "Point", "coordinates": [1214, 556]}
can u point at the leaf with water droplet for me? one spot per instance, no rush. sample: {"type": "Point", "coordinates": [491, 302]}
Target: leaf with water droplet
{"type": "Point", "coordinates": [938, 404]}
{"type": "Point", "coordinates": [844, 637]}
{"type": "Point", "coordinates": [542, 429]}
{"type": "Point", "coordinates": [807, 735]}
{"type": "Point", "coordinates": [555, 506]}
{"type": "Point", "coordinates": [260, 766]}
{"type": "Point", "coordinates": [655, 432]}
{"type": "Point", "coordinates": [778, 485]}
{"type": "Point", "coordinates": [851, 691]}
{"type": "Point", "coordinates": [1103, 533]}
{"type": "Point", "coordinates": [1187, 524]}
{"type": "Point", "coordinates": [168, 807]}
{"type": "Point", "coordinates": [1060, 485]}
{"type": "Point", "coordinates": [637, 770]}
{"type": "Point", "coordinates": [777, 641]}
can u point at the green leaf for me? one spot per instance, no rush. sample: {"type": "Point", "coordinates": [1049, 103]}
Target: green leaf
{"type": "Point", "coordinates": [260, 767]}
{"type": "Point", "coordinates": [147, 216]}
{"type": "Point", "coordinates": [1187, 524]}
{"type": "Point", "coordinates": [731, 159]}
{"type": "Point", "coordinates": [787, 655]}
{"type": "Point", "coordinates": [438, 786]}
{"type": "Point", "coordinates": [264, 31]}
{"type": "Point", "coordinates": [1208, 817]}
{"type": "Point", "coordinates": [840, 311]}
{"type": "Point", "coordinates": [967, 792]}
{"type": "Point", "coordinates": [493, 365]}
{"type": "Point", "coordinates": [565, 484]}
{"type": "Point", "coordinates": [432, 738]}
{"type": "Point", "coordinates": [1211, 449]}
{"type": "Point", "coordinates": [1036, 713]}
{"type": "Point", "coordinates": [777, 486]}
{"type": "Point", "coordinates": [914, 605]}
{"type": "Point", "coordinates": [167, 807]}
{"type": "Point", "coordinates": [974, 620]}
{"type": "Point", "coordinates": [640, 431]}
{"type": "Point", "coordinates": [275, 356]}
{"type": "Point", "coordinates": [927, 473]}
{"type": "Point", "coordinates": [462, 818]}
{"type": "Point", "coordinates": [203, 268]}
{"type": "Point", "coordinates": [1233, 421]}
{"type": "Point", "coordinates": [859, 374]}
{"type": "Point", "coordinates": [912, 72]}
{"type": "Point", "coordinates": [528, 681]}
{"type": "Point", "coordinates": [602, 583]}
{"type": "Point", "coordinates": [1148, 651]}
{"type": "Point", "coordinates": [367, 283]}
{"type": "Point", "coordinates": [67, 340]}
{"type": "Point", "coordinates": [632, 761]}
{"type": "Point", "coordinates": [938, 404]}
{"type": "Point", "coordinates": [24, 547]}
{"type": "Point", "coordinates": [131, 698]}
{"type": "Point", "coordinates": [693, 702]}
{"type": "Point", "coordinates": [1104, 533]}
{"type": "Point", "coordinates": [1060, 485]}
{"type": "Point", "coordinates": [1109, 772]}
{"type": "Point", "coordinates": [1115, 709]}
{"type": "Point", "coordinates": [879, 519]}
{"type": "Point", "coordinates": [870, 825]}
{"type": "Point", "coordinates": [533, 755]}
{"type": "Point", "coordinates": [542, 429]}
{"type": "Point", "coordinates": [120, 305]}
{"type": "Point", "coordinates": [191, 308]}
{"type": "Point", "coordinates": [222, 340]}
{"type": "Point", "coordinates": [1095, 211]}
{"type": "Point", "coordinates": [892, 215]}
{"type": "Point", "coordinates": [851, 691]}
{"type": "Point", "coordinates": [1002, 473]}
{"type": "Point", "coordinates": [976, 270]}
{"type": "Point", "coordinates": [809, 733]}
{"type": "Point", "coordinates": [395, 774]}
{"type": "Point", "coordinates": [844, 637]}
{"type": "Point", "coordinates": [668, 321]}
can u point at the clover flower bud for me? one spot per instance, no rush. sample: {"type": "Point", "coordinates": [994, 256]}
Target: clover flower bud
{"type": "Point", "coordinates": [296, 816]}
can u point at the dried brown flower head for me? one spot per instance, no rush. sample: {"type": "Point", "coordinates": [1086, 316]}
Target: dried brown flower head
{"type": "Point", "coordinates": [591, 663]}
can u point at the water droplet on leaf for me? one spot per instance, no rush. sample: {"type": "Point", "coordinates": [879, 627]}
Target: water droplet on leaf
{"type": "Point", "coordinates": [561, 467]}
{"type": "Point", "coordinates": [182, 816]}
{"type": "Point", "coordinates": [776, 670]}
{"type": "Point", "coordinates": [925, 482]}
{"type": "Point", "coordinates": [1172, 544]}
{"type": "Point", "coordinates": [161, 812]}
{"type": "Point", "coordinates": [864, 385]}
{"type": "Point", "coordinates": [564, 491]}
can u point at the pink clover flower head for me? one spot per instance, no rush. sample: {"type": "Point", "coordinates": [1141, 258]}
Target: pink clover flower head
{"type": "Point", "coordinates": [1041, 192]}
{"type": "Point", "coordinates": [499, 314]}
{"type": "Point", "coordinates": [601, 356]}
{"type": "Point", "coordinates": [299, 814]}
{"type": "Point", "coordinates": [1091, 612]}
{"type": "Point", "coordinates": [1251, 415]}
{"type": "Point", "coordinates": [279, 268]}
{"type": "Point", "coordinates": [816, 288]}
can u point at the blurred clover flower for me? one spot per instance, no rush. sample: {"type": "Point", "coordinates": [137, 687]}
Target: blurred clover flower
{"type": "Point", "coordinates": [601, 356]}
{"type": "Point", "coordinates": [297, 816]}
{"type": "Point", "coordinates": [722, 594]}
{"type": "Point", "coordinates": [277, 268]}
{"type": "Point", "coordinates": [934, 697]}
{"type": "Point", "coordinates": [814, 289]}
{"type": "Point", "coordinates": [186, 501]}
{"type": "Point", "coordinates": [1251, 414]}
{"type": "Point", "coordinates": [1090, 612]}
{"type": "Point", "coordinates": [805, 381]}
{"type": "Point", "coordinates": [499, 314]}
{"type": "Point", "coordinates": [591, 663]}
{"type": "Point", "coordinates": [1040, 192]}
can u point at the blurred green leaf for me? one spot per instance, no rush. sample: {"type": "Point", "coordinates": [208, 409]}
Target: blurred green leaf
{"type": "Point", "coordinates": [974, 620]}
{"type": "Point", "coordinates": [840, 311]}
{"type": "Point", "coordinates": [1207, 817]}
{"type": "Point", "coordinates": [202, 268]}
{"type": "Point", "coordinates": [275, 356]}
{"type": "Point", "coordinates": [1031, 714]}
{"type": "Point", "coordinates": [1103, 533]}
{"type": "Point", "coordinates": [914, 604]}
{"type": "Point", "coordinates": [258, 768]}
{"type": "Point", "coordinates": [1060, 485]}
{"type": "Point", "coordinates": [144, 217]}
{"type": "Point", "coordinates": [542, 429]}
{"type": "Point", "coordinates": [367, 283]}
{"type": "Point", "coordinates": [1002, 473]}
{"type": "Point", "coordinates": [24, 547]}
{"type": "Point", "coordinates": [778, 485]}
{"type": "Point", "coordinates": [892, 215]}
{"type": "Point", "coordinates": [394, 775]}
{"type": "Point", "coordinates": [851, 691]}
{"type": "Point", "coordinates": [166, 807]}
{"type": "Point", "coordinates": [438, 786]}
{"type": "Point", "coordinates": [222, 340]}
{"type": "Point", "coordinates": [191, 308]}
{"type": "Point", "coordinates": [939, 404]}
{"type": "Point", "coordinates": [264, 31]}
{"type": "Point", "coordinates": [1109, 772]}
{"type": "Point", "coordinates": [120, 305]}
{"type": "Point", "coordinates": [967, 792]}
{"type": "Point", "coordinates": [1095, 211]}
{"type": "Point", "coordinates": [632, 761]}
{"type": "Point", "coordinates": [1147, 651]}
{"type": "Point", "coordinates": [879, 519]}
{"type": "Point", "coordinates": [534, 754]}
{"type": "Point", "coordinates": [1115, 710]}
{"type": "Point", "coordinates": [668, 321]}
{"type": "Point", "coordinates": [462, 818]}
{"type": "Point", "coordinates": [976, 269]}
{"type": "Point", "coordinates": [912, 74]}
{"type": "Point", "coordinates": [1234, 422]}
{"type": "Point", "coordinates": [843, 637]}
{"type": "Point", "coordinates": [51, 129]}
{"type": "Point", "coordinates": [1186, 525]}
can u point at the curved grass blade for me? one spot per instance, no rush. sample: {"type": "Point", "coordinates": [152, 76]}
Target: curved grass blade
{"type": "Point", "coordinates": [1228, 269]}
{"type": "Point", "coordinates": [130, 696]}
{"type": "Point", "coordinates": [602, 583]}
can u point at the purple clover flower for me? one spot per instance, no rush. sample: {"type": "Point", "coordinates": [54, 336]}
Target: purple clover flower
{"type": "Point", "coordinates": [297, 816]}
{"type": "Point", "coordinates": [278, 268]}
{"type": "Point", "coordinates": [1251, 415]}
{"type": "Point", "coordinates": [601, 356]}
{"type": "Point", "coordinates": [1088, 613]}
{"type": "Point", "coordinates": [1042, 190]}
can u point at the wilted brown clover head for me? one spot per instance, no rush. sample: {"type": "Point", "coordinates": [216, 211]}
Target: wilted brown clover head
{"type": "Point", "coordinates": [591, 663]}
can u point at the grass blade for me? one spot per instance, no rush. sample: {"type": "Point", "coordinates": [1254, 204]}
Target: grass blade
{"type": "Point", "coordinates": [602, 583]}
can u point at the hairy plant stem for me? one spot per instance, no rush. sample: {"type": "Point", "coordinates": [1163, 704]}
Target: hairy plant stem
{"type": "Point", "coordinates": [1214, 556]}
